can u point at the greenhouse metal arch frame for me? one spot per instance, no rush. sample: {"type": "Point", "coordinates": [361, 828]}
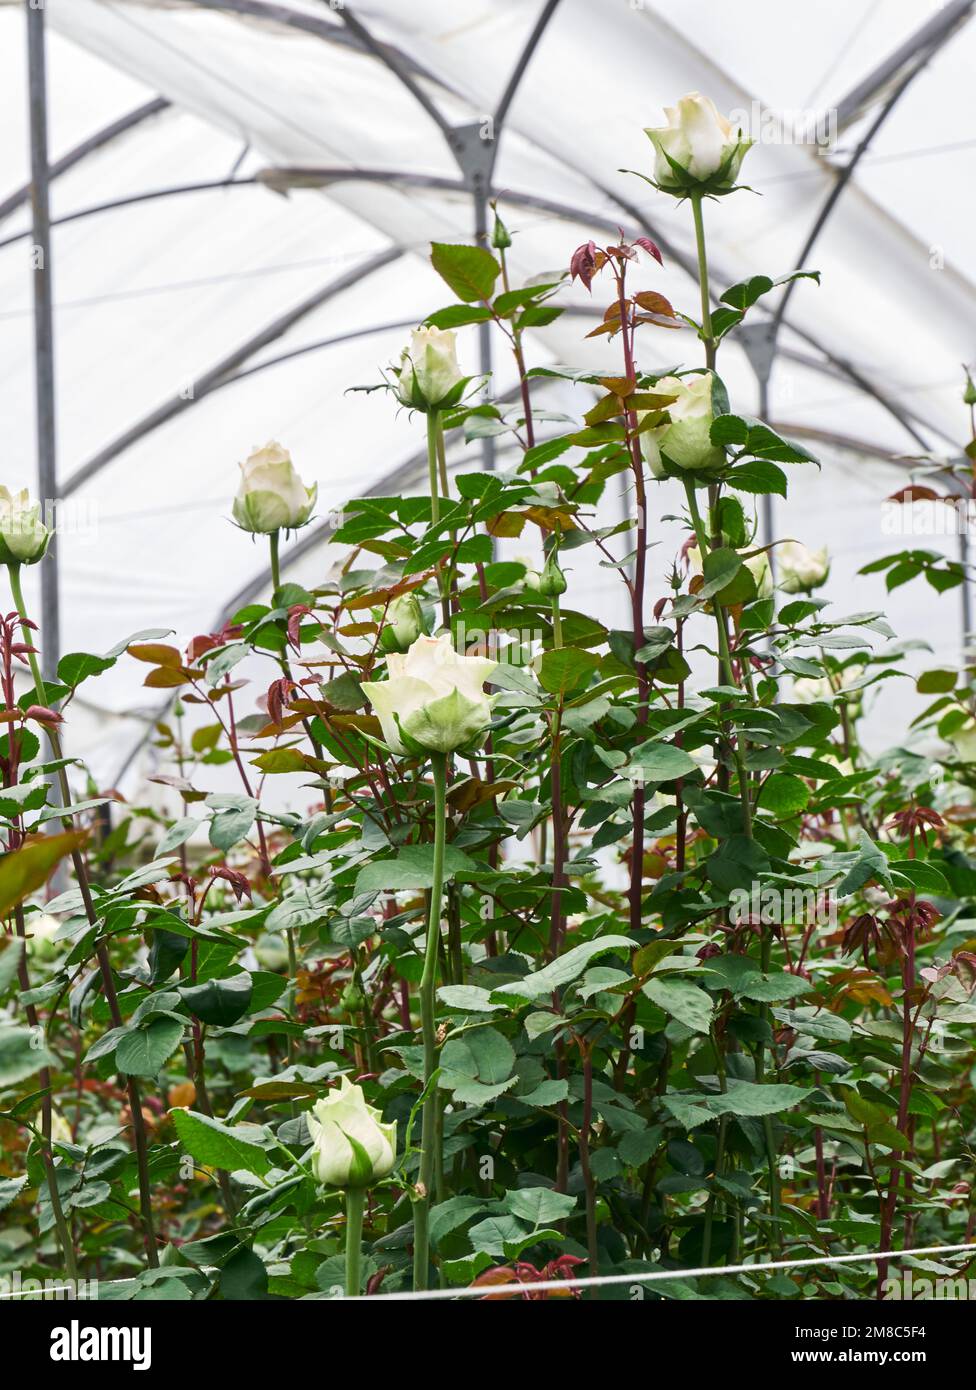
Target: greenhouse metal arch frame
{"type": "Point", "coordinates": [475, 157]}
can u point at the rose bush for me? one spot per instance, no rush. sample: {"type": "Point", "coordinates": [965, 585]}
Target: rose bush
{"type": "Point", "coordinates": [590, 949]}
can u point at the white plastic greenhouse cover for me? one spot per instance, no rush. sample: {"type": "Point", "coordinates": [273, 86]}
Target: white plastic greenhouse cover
{"type": "Point", "coordinates": [152, 295]}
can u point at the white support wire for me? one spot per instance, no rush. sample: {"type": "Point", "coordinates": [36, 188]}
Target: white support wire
{"type": "Point", "coordinates": [600, 1280]}
{"type": "Point", "coordinates": [659, 1276]}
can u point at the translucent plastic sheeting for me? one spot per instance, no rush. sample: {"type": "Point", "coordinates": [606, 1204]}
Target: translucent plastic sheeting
{"type": "Point", "coordinates": [152, 296]}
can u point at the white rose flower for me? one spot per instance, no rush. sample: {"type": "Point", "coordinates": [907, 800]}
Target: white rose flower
{"type": "Point", "coordinates": [24, 538]}
{"type": "Point", "coordinates": [351, 1146]}
{"type": "Point", "coordinates": [801, 570]}
{"type": "Point", "coordinates": [698, 150]}
{"type": "Point", "coordinates": [429, 375]}
{"type": "Point", "coordinates": [434, 699]}
{"type": "Point", "coordinates": [685, 441]}
{"type": "Point", "coordinates": [272, 497]}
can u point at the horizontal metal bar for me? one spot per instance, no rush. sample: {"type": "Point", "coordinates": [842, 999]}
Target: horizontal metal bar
{"type": "Point", "coordinates": [934, 32]}
{"type": "Point", "coordinates": [206, 383]}
{"type": "Point", "coordinates": [81, 151]}
{"type": "Point", "coordinates": [114, 204]}
{"type": "Point", "coordinates": [398, 479]}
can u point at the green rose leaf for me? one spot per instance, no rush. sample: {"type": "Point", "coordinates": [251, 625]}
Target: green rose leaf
{"type": "Point", "coordinates": [219, 1002]}
{"type": "Point", "coordinates": [142, 1051]}
{"type": "Point", "coordinates": [218, 1145]}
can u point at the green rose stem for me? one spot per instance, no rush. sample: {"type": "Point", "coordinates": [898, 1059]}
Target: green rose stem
{"type": "Point", "coordinates": [44, 1077]}
{"type": "Point", "coordinates": [706, 303]}
{"type": "Point", "coordinates": [196, 1053]}
{"type": "Point", "coordinates": [725, 656]}
{"type": "Point", "coordinates": [441, 448]}
{"type": "Point", "coordinates": [101, 951]}
{"type": "Point", "coordinates": [635, 890]}
{"type": "Point", "coordinates": [558, 818]}
{"type": "Point", "coordinates": [586, 1124]}
{"type": "Point", "coordinates": [726, 664]}
{"type": "Point", "coordinates": [723, 1125]}
{"type": "Point", "coordinates": [355, 1207]}
{"type": "Point", "coordinates": [636, 886]}
{"type": "Point", "coordinates": [556, 914]}
{"type": "Point", "coordinates": [432, 466]}
{"type": "Point", "coordinates": [728, 678]}
{"type": "Point", "coordinates": [274, 539]}
{"type": "Point", "coordinates": [65, 1240]}
{"type": "Point", "coordinates": [428, 981]}
{"type": "Point", "coordinates": [291, 935]}
{"type": "Point", "coordinates": [501, 242]}
{"type": "Point", "coordinates": [435, 444]}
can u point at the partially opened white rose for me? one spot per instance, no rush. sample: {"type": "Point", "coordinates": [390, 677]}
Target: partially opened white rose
{"type": "Point", "coordinates": [685, 441]}
{"type": "Point", "coordinates": [800, 569]}
{"type": "Point", "coordinates": [429, 373]}
{"type": "Point", "coordinates": [434, 699]}
{"type": "Point", "coordinates": [698, 150]}
{"type": "Point", "coordinates": [272, 497]}
{"type": "Point", "coordinates": [24, 538]}
{"type": "Point", "coordinates": [351, 1146]}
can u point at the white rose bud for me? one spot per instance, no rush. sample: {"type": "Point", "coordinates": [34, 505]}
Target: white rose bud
{"type": "Point", "coordinates": [272, 497]}
{"type": "Point", "coordinates": [23, 536]}
{"type": "Point", "coordinates": [404, 623]}
{"type": "Point", "coordinates": [351, 1146]}
{"type": "Point", "coordinates": [698, 151]}
{"type": "Point", "coordinates": [801, 570]}
{"type": "Point", "coordinates": [685, 442]}
{"type": "Point", "coordinates": [429, 376]}
{"type": "Point", "coordinates": [434, 699]}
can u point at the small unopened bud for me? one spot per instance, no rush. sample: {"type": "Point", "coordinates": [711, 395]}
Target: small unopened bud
{"type": "Point", "coordinates": [969, 394]}
{"type": "Point", "coordinates": [352, 998]}
{"type": "Point", "coordinates": [43, 715]}
{"type": "Point", "coordinates": [501, 238]}
{"type": "Point", "coordinates": [552, 581]}
{"type": "Point", "coordinates": [404, 624]}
